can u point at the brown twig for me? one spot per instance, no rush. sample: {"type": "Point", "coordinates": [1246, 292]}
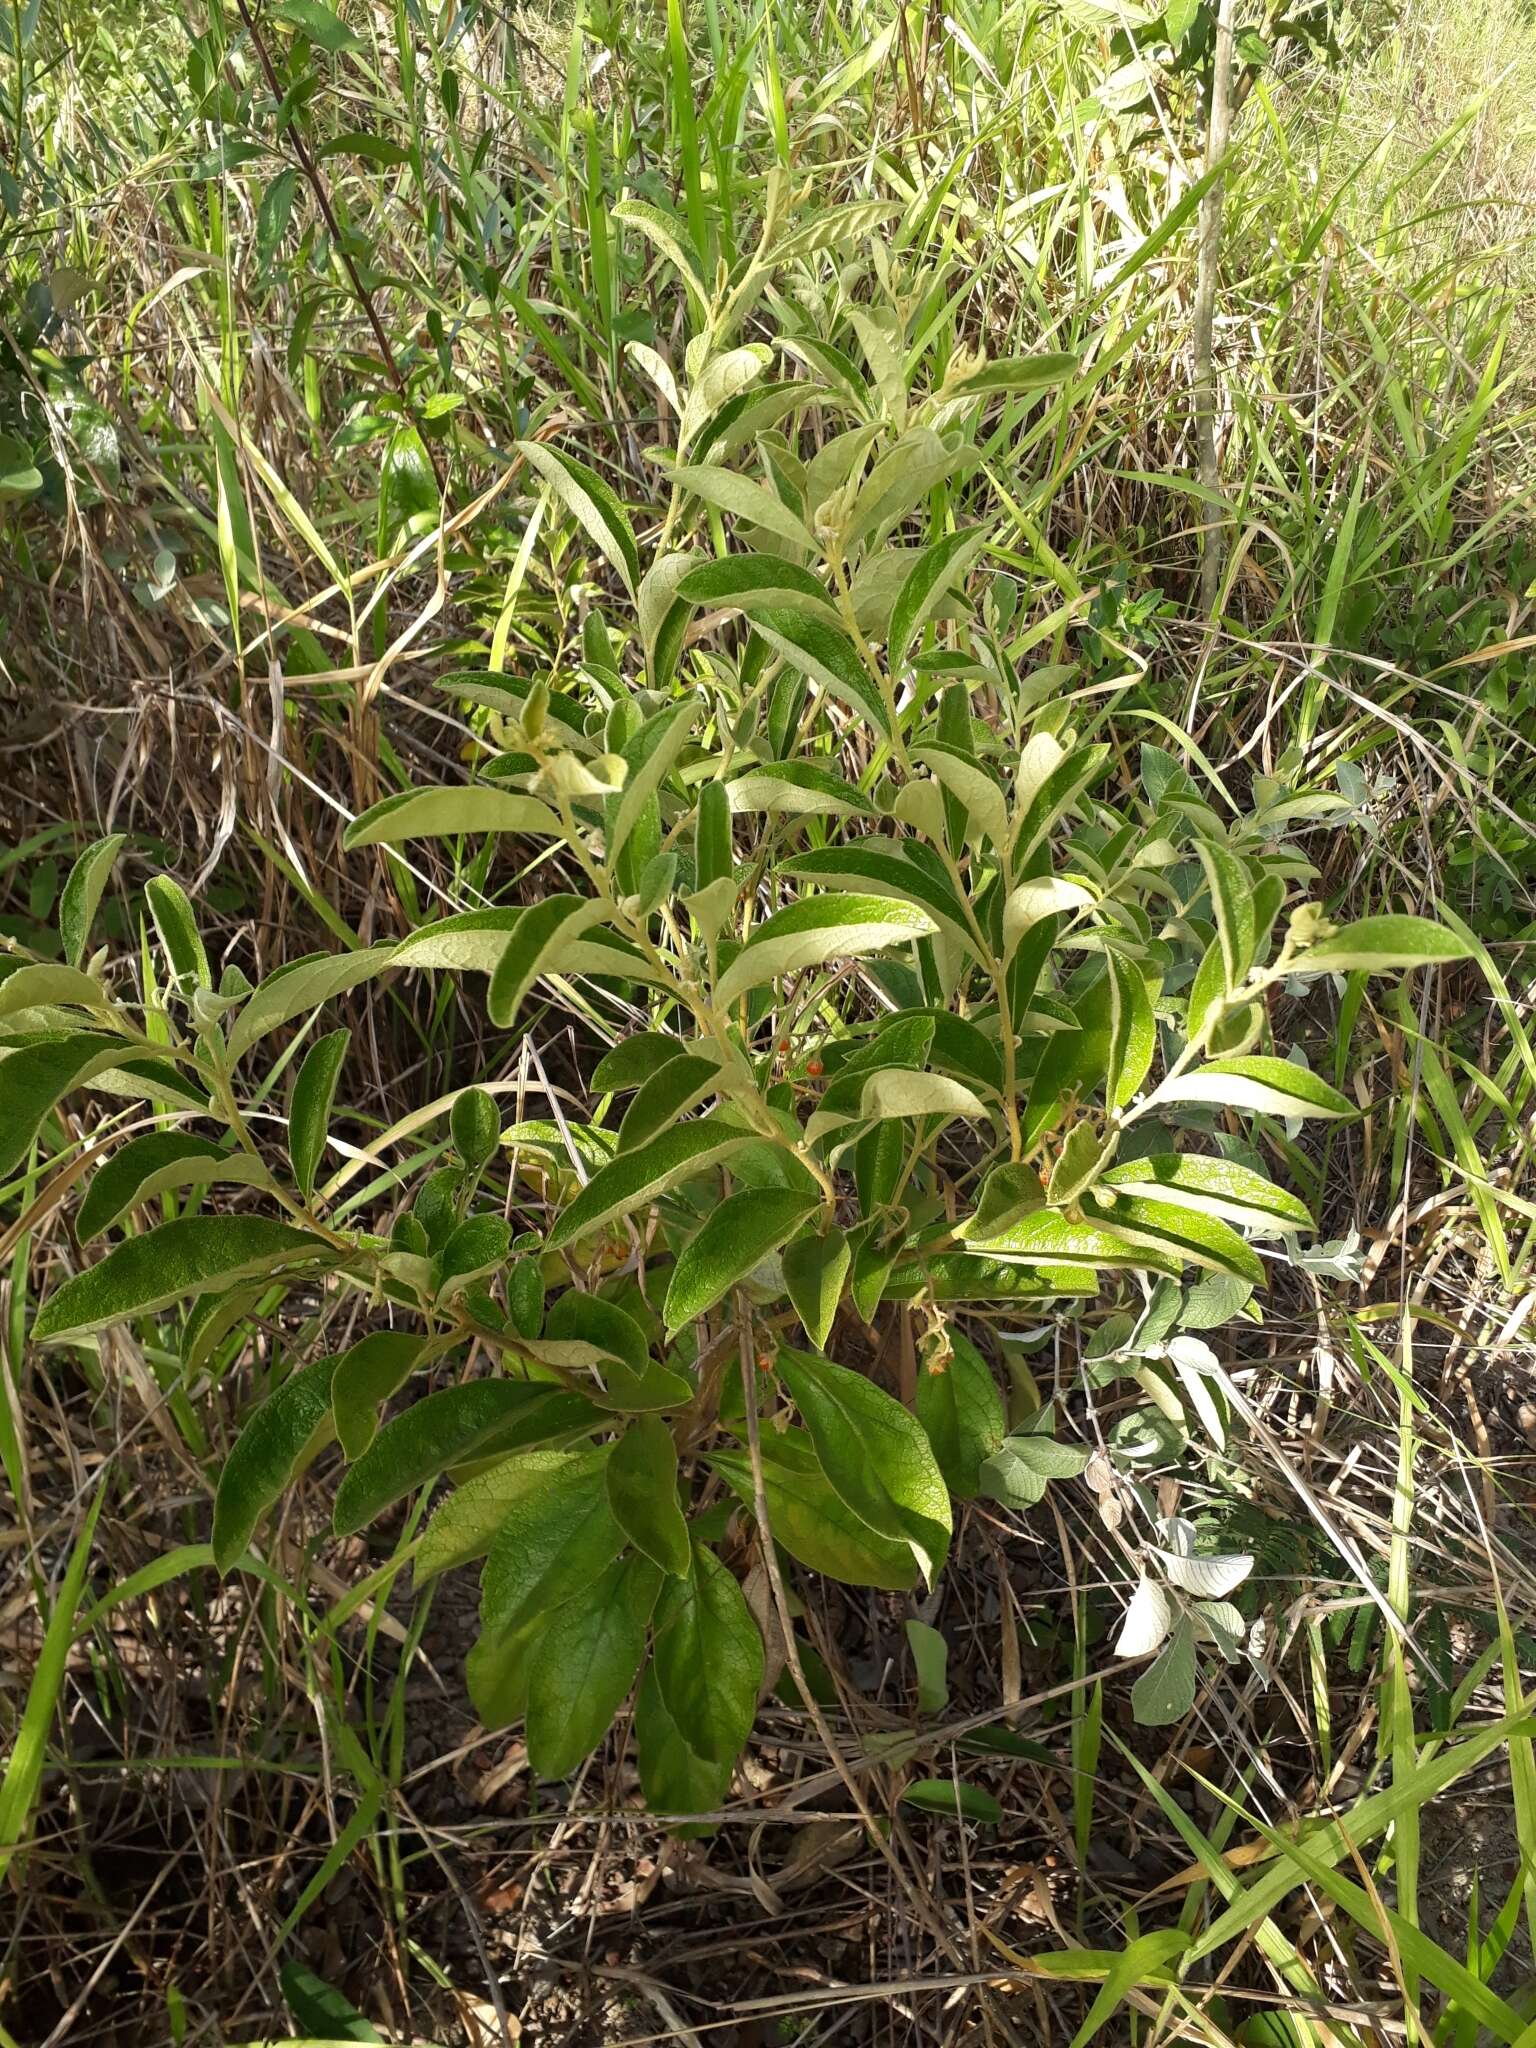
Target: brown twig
{"type": "Point", "coordinates": [318, 186]}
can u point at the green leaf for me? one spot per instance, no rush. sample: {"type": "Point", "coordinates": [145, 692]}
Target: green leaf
{"type": "Point", "coordinates": [743, 499]}
{"type": "Point", "coordinates": [584, 1663]}
{"type": "Point", "coordinates": [152, 1165]}
{"type": "Point", "coordinates": [1258, 1082]}
{"type": "Point", "coordinates": [1165, 1691]}
{"type": "Point", "coordinates": [319, 2010]}
{"type": "Point", "coordinates": [189, 1256]}
{"type": "Point", "coordinates": [754, 583]}
{"type": "Point", "coordinates": [673, 1776]}
{"type": "Point", "coordinates": [465, 1526]}
{"type": "Point", "coordinates": [818, 929]}
{"type": "Point", "coordinates": [1046, 1237]}
{"type": "Point", "coordinates": [177, 927]}
{"type": "Point", "coordinates": [671, 238]}
{"type": "Point", "coordinates": [1220, 1187]}
{"type": "Point", "coordinates": [953, 1801]}
{"type": "Point", "coordinates": [799, 789]}
{"type": "Point", "coordinates": [1019, 1470]}
{"type": "Point", "coordinates": [899, 1092]}
{"type": "Point", "coordinates": [539, 944]}
{"type": "Point", "coordinates": [709, 1658]}
{"type": "Point", "coordinates": [288, 1425]}
{"type": "Point", "coordinates": [809, 1518]}
{"type": "Point", "coordinates": [883, 869]}
{"type": "Point", "coordinates": [962, 1412]}
{"type": "Point", "coordinates": [474, 1124]}
{"type": "Point", "coordinates": [634, 1060]}
{"type": "Point", "coordinates": [875, 1454]}
{"type": "Point", "coordinates": [814, 1271]}
{"type": "Point", "coordinates": [1203, 1240]}
{"type": "Point", "coordinates": [82, 894]}
{"type": "Point", "coordinates": [449, 1428]}
{"type": "Point", "coordinates": [46, 985]}
{"type": "Point", "coordinates": [937, 568]}
{"type": "Point", "coordinates": [1040, 897]}
{"type": "Point", "coordinates": [1064, 779]}
{"type": "Point", "coordinates": [28, 1737]}
{"type": "Point", "coordinates": [367, 1373]}
{"type": "Point", "coordinates": [1377, 945]}
{"type": "Point", "coordinates": [675, 1088]}
{"type": "Point", "coordinates": [323, 26]}
{"type": "Point", "coordinates": [649, 756]}
{"type": "Point", "coordinates": [302, 986]}
{"type": "Point", "coordinates": [309, 1113]}
{"type": "Point", "coordinates": [642, 1491]}
{"type": "Point", "coordinates": [930, 1654]}
{"type": "Point", "coordinates": [447, 812]}
{"type": "Point", "coordinates": [736, 1237]}
{"type": "Point", "coordinates": [474, 942]}
{"type": "Point", "coordinates": [635, 1179]}
{"type": "Point", "coordinates": [559, 1534]}
{"type": "Point", "coordinates": [479, 1245]}
{"type": "Point", "coordinates": [591, 503]}
{"type": "Point", "coordinates": [1231, 891]}
{"type": "Point", "coordinates": [825, 654]}
{"type": "Point", "coordinates": [1014, 374]}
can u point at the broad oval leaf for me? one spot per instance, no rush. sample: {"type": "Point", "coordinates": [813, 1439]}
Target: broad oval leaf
{"type": "Point", "coordinates": [267, 1453]}
{"type": "Point", "coordinates": [1259, 1082]}
{"type": "Point", "coordinates": [34, 1077]}
{"type": "Point", "coordinates": [634, 1179]}
{"type": "Point", "coordinates": [818, 929]}
{"type": "Point", "coordinates": [1221, 1187]}
{"type": "Point", "coordinates": [962, 1412]}
{"type": "Point", "coordinates": [82, 893]}
{"type": "Point", "coordinates": [156, 1164]}
{"type": "Point", "coordinates": [186, 1257]}
{"type": "Point", "coordinates": [584, 1661]}
{"type": "Point", "coordinates": [825, 654]}
{"type": "Point", "coordinates": [674, 1777]}
{"type": "Point", "coordinates": [1147, 1621]}
{"type": "Point", "coordinates": [642, 1491]}
{"type": "Point", "coordinates": [591, 502]}
{"type": "Point", "coordinates": [874, 1452]}
{"type": "Point", "coordinates": [810, 1520]}
{"type": "Point", "coordinates": [737, 1236]}
{"type": "Point", "coordinates": [1165, 1691]}
{"type": "Point", "coordinates": [743, 499]}
{"type": "Point", "coordinates": [814, 1271]}
{"type": "Point", "coordinates": [709, 1658]}
{"type": "Point", "coordinates": [449, 1428]}
{"type": "Point", "coordinates": [302, 986]}
{"type": "Point", "coordinates": [559, 1533]}
{"type": "Point", "coordinates": [936, 569]}
{"type": "Point", "coordinates": [754, 583]}
{"type": "Point", "coordinates": [539, 943]}
{"type": "Point", "coordinates": [367, 1373]}
{"type": "Point", "coordinates": [309, 1113]}
{"type": "Point", "coordinates": [446, 813]}
{"type": "Point", "coordinates": [1378, 945]}
{"type": "Point", "coordinates": [634, 1060]}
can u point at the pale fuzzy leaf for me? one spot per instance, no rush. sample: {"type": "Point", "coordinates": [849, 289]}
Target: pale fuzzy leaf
{"type": "Point", "coordinates": [1147, 1620]}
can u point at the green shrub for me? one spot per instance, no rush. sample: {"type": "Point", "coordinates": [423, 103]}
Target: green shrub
{"type": "Point", "coordinates": [938, 1029]}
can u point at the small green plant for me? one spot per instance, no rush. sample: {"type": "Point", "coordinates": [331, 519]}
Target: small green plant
{"type": "Point", "coordinates": [936, 1028]}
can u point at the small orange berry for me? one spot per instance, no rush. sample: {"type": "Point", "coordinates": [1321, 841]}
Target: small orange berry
{"type": "Point", "coordinates": [765, 1361]}
{"type": "Point", "coordinates": [814, 1068]}
{"type": "Point", "coordinates": [783, 1045]}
